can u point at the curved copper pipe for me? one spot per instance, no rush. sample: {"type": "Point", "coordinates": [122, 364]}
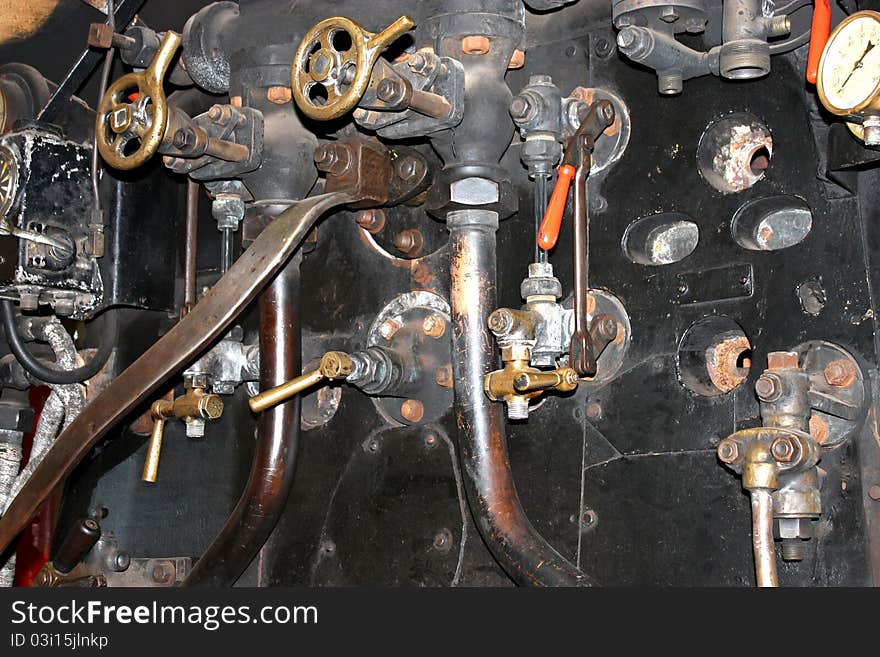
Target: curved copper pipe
{"type": "Point", "coordinates": [523, 553]}
{"type": "Point", "coordinates": [271, 477]}
{"type": "Point", "coordinates": [762, 537]}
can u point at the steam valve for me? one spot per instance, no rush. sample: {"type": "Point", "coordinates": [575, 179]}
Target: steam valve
{"type": "Point", "coordinates": [194, 408]}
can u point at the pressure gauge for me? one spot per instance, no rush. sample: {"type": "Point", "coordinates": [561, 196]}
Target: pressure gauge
{"type": "Point", "coordinates": [8, 179]}
{"type": "Point", "coordinates": [849, 71]}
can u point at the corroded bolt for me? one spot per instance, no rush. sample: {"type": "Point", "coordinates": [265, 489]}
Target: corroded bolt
{"type": "Point", "coordinates": [443, 376]}
{"type": "Point", "coordinates": [388, 90]}
{"type": "Point", "coordinates": [417, 63]}
{"type": "Point", "coordinates": [215, 112]}
{"type": "Point", "coordinates": [768, 387]}
{"type": "Point", "coordinates": [279, 95]}
{"type": "Point", "coordinates": [594, 411]}
{"type": "Point", "coordinates": [434, 326]}
{"type": "Point", "coordinates": [332, 158]}
{"type": "Point", "coordinates": [840, 373]}
{"type": "Point", "coordinates": [372, 221]}
{"type": "Point", "coordinates": [728, 451]}
{"type": "Point", "coordinates": [782, 449]}
{"type": "Point", "coordinates": [409, 241]}
{"type": "Point", "coordinates": [412, 410]}
{"type": "Point", "coordinates": [475, 45]}
{"type": "Point", "coordinates": [388, 328]}
{"type": "Point", "coordinates": [874, 493]}
{"type": "Point", "coordinates": [183, 138]}
{"type": "Point", "coordinates": [500, 322]}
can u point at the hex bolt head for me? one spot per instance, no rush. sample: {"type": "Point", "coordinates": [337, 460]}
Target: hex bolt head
{"type": "Point", "coordinates": [443, 376]}
{"type": "Point", "coordinates": [372, 221]}
{"type": "Point", "coordinates": [409, 241]}
{"type": "Point", "coordinates": [768, 387]}
{"type": "Point", "coordinates": [520, 108]}
{"type": "Point", "coordinates": [388, 90]}
{"type": "Point", "coordinates": [409, 169]}
{"type": "Point", "coordinates": [332, 158]}
{"type": "Point", "coordinates": [434, 326]}
{"type": "Point", "coordinates": [840, 373]}
{"type": "Point", "coordinates": [388, 328]}
{"type": "Point", "coordinates": [783, 449]}
{"type": "Point", "coordinates": [412, 410]}
{"type": "Point", "coordinates": [417, 63]}
{"type": "Point", "coordinates": [668, 15]}
{"type": "Point", "coordinates": [728, 451]}
{"type": "Point", "coordinates": [627, 38]}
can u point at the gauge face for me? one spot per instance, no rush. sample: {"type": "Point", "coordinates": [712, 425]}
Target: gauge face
{"type": "Point", "coordinates": [849, 74]}
{"type": "Point", "coordinates": [8, 179]}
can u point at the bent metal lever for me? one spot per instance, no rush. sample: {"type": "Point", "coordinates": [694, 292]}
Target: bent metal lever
{"type": "Point", "coordinates": [208, 319]}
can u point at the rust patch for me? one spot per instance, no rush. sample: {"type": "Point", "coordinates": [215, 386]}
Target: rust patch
{"type": "Point", "coordinates": [723, 363]}
{"type": "Point", "coordinates": [587, 95]}
{"type": "Point", "coordinates": [818, 429]}
{"type": "Point", "coordinates": [422, 274]}
{"type": "Point", "coordinates": [739, 160]}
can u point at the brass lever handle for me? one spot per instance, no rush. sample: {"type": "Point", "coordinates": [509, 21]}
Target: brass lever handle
{"type": "Point", "coordinates": [563, 379]}
{"type": "Point", "coordinates": [154, 449]}
{"type": "Point", "coordinates": [194, 406]}
{"type": "Point", "coordinates": [125, 115]}
{"type": "Point", "coordinates": [343, 76]}
{"type": "Point", "coordinates": [334, 365]}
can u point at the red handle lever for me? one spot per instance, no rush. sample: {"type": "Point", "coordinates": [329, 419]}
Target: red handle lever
{"type": "Point", "coordinates": [819, 32]}
{"type": "Point", "coordinates": [552, 221]}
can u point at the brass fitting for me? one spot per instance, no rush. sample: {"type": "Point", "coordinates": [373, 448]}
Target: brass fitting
{"type": "Point", "coordinates": [760, 468]}
{"type": "Point", "coordinates": [193, 408]}
{"type": "Point", "coordinates": [334, 365]}
{"type": "Point", "coordinates": [120, 120]}
{"type": "Point", "coordinates": [518, 382]}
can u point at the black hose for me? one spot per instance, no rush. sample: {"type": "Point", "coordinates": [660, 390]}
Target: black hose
{"type": "Point", "coordinates": [36, 368]}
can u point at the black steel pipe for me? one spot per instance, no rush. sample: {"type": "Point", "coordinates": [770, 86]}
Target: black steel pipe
{"type": "Point", "coordinates": [525, 556]}
{"type": "Point", "coordinates": [271, 476]}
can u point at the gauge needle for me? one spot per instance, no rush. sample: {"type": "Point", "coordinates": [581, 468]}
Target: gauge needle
{"type": "Point", "coordinates": [858, 65]}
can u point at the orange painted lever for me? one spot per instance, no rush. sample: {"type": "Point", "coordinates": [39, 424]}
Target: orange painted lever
{"type": "Point", "coordinates": [552, 221]}
{"type": "Point", "coordinates": [819, 32]}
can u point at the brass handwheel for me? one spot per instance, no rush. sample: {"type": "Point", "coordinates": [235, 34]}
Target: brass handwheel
{"type": "Point", "coordinates": [125, 115]}
{"type": "Point", "coordinates": [333, 64]}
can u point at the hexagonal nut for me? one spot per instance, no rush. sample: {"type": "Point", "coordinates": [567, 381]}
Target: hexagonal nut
{"type": "Point", "coordinates": [474, 191]}
{"type": "Point", "coordinates": [228, 210]}
{"type": "Point", "coordinates": [540, 286]}
{"type": "Point", "coordinates": [795, 528]}
{"type": "Point", "coordinates": [14, 417]}
{"type": "Point", "coordinates": [541, 149]}
{"type": "Point", "coordinates": [728, 451]}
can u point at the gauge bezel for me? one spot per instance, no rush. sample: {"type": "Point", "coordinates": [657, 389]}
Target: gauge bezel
{"type": "Point", "coordinates": [11, 157]}
{"type": "Point", "coordinates": [872, 97]}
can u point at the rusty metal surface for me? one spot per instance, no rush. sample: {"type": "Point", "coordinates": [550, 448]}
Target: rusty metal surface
{"type": "Point", "coordinates": [174, 350]}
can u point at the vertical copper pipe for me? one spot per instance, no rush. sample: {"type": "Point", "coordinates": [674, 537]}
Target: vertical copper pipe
{"type": "Point", "coordinates": [190, 246]}
{"type": "Point", "coordinates": [526, 557]}
{"type": "Point", "coordinates": [271, 476]}
{"type": "Point", "coordinates": [762, 537]}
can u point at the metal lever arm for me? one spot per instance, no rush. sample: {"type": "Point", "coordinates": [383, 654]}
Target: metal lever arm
{"type": "Point", "coordinates": [334, 365]}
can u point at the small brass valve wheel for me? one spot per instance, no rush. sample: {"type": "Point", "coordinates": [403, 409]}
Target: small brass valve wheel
{"type": "Point", "coordinates": [125, 115]}
{"type": "Point", "coordinates": [194, 408]}
{"type": "Point", "coordinates": [342, 75]}
{"type": "Point", "coordinates": [334, 365]}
